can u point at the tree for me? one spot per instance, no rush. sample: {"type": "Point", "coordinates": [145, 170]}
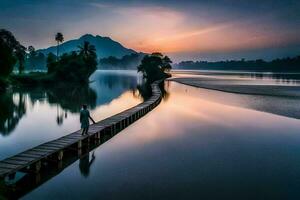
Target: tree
{"type": "Point", "coordinates": [166, 64]}
{"type": "Point", "coordinates": [154, 67]}
{"type": "Point", "coordinates": [21, 54]}
{"type": "Point", "coordinates": [51, 63]}
{"type": "Point", "coordinates": [87, 50]}
{"type": "Point", "coordinates": [59, 38]}
{"type": "Point", "coordinates": [32, 55]}
{"type": "Point", "coordinates": [8, 47]}
{"type": "Point", "coordinates": [32, 52]}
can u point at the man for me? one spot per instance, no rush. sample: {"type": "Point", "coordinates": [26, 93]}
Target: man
{"type": "Point", "coordinates": [84, 119]}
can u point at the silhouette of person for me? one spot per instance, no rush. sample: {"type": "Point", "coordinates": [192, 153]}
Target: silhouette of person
{"type": "Point", "coordinates": [85, 164]}
{"type": "Point", "coordinates": [84, 119]}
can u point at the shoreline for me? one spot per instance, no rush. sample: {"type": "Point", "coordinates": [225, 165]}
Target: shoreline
{"type": "Point", "coordinates": [266, 90]}
{"type": "Point", "coordinates": [279, 100]}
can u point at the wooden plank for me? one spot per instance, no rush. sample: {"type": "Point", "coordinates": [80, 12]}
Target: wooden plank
{"type": "Point", "coordinates": [73, 137]}
{"type": "Point", "coordinates": [4, 171]}
{"type": "Point", "coordinates": [15, 162]}
{"type": "Point", "coordinates": [76, 137]}
{"type": "Point", "coordinates": [41, 150]}
{"type": "Point", "coordinates": [67, 139]}
{"type": "Point", "coordinates": [9, 166]}
{"type": "Point", "coordinates": [48, 148]}
{"type": "Point", "coordinates": [60, 142]}
{"type": "Point", "coordinates": [29, 155]}
{"type": "Point", "coordinates": [66, 144]}
{"type": "Point", "coordinates": [54, 145]}
{"type": "Point", "coordinates": [37, 153]}
{"type": "Point", "coordinates": [20, 158]}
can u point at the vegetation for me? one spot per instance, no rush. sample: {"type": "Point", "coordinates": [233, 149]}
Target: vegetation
{"type": "Point", "coordinates": [277, 65]}
{"type": "Point", "coordinates": [11, 52]}
{"type": "Point", "coordinates": [155, 66]}
{"type": "Point", "coordinates": [59, 38]}
{"type": "Point", "coordinates": [73, 67]}
{"type": "Point", "coordinates": [126, 62]}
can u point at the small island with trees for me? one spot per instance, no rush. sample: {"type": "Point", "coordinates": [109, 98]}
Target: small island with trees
{"type": "Point", "coordinates": [73, 67]}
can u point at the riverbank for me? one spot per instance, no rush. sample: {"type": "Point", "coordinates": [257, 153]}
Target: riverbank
{"type": "Point", "coordinates": [276, 96]}
{"type": "Point", "coordinates": [240, 86]}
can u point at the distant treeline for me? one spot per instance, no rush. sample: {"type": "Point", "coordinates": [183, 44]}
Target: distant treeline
{"type": "Point", "coordinates": [279, 65]}
{"type": "Point", "coordinates": [126, 62]}
{"type": "Point", "coordinates": [37, 61]}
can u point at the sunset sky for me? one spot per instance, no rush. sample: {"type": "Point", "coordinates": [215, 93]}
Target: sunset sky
{"type": "Point", "coordinates": [203, 29]}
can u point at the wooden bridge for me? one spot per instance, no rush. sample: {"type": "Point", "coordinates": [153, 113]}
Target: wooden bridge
{"type": "Point", "coordinates": [32, 160]}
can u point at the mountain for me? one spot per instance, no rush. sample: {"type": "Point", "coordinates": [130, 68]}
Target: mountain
{"type": "Point", "coordinates": [104, 45]}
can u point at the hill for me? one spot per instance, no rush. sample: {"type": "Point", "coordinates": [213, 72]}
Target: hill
{"type": "Point", "coordinates": [105, 46]}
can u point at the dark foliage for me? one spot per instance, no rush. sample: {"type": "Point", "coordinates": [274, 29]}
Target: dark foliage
{"type": "Point", "coordinates": [21, 55]}
{"type": "Point", "coordinates": [59, 38]}
{"type": "Point", "coordinates": [10, 52]}
{"type": "Point", "coordinates": [277, 65]}
{"type": "Point", "coordinates": [51, 63]}
{"type": "Point", "coordinates": [35, 61]}
{"type": "Point", "coordinates": [73, 67]}
{"type": "Point", "coordinates": [155, 67]}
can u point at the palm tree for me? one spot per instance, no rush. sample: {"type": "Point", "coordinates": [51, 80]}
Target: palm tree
{"type": "Point", "coordinates": [59, 38]}
{"type": "Point", "coordinates": [87, 50]}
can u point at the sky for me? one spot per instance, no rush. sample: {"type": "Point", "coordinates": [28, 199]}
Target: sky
{"type": "Point", "coordinates": [183, 29]}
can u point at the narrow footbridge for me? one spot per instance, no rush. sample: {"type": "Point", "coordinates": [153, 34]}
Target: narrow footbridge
{"type": "Point", "coordinates": [31, 161]}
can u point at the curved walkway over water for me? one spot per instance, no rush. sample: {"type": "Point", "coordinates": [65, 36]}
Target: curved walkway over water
{"type": "Point", "coordinates": [32, 160]}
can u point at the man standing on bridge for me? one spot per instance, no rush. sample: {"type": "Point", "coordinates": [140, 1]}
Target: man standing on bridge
{"type": "Point", "coordinates": [84, 119]}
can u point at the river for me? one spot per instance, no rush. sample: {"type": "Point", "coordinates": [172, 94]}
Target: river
{"type": "Point", "coordinates": [197, 144]}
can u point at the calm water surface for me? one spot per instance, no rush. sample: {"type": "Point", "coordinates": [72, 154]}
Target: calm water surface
{"type": "Point", "coordinates": [242, 78]}
{"type": "Point", "coordinates": [31, 117]}
{"type": "Point", "coordinates": [196, 144]}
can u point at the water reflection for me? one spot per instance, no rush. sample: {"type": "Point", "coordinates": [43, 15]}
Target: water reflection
{"type": "Point", "coordinates": [25, 111]}
{"type": "Point", "coordinates": [71, 97]}
{"type": "Point", "coordinates": [105, 87]}
{"type": "Point", "coordinates": [66, 98]}
{"type": "Point", "coordinates": [240, 77]}
{"type": "Point", "coordinates": [109, 85]}
{"type": "Point", "coordinates": [145, 90]}
{"type": "Point", "coordinates": [85, 164]}
{"type": "Point", "coordinates": [192, 147]}
{"type": "Point", "coordinates": [12, 109]}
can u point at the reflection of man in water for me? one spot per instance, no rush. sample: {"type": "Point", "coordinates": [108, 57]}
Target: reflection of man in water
{"type": "Point", "coordinates": [84, 119]}
{"type": "Point", "coordinates": [85, 164]}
